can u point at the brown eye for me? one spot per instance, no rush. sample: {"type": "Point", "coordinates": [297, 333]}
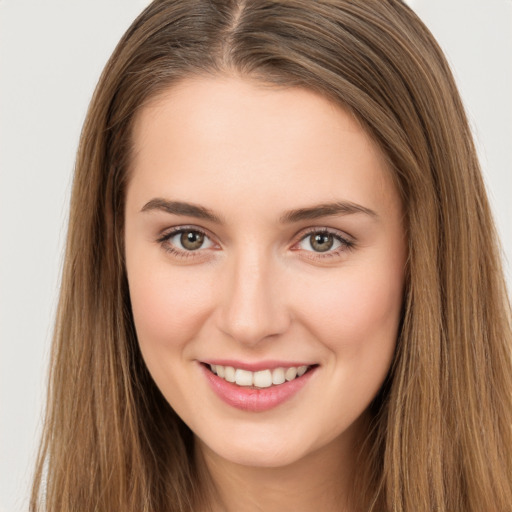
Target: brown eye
{"type": "Point", "coordinates": [321, 242]}
{"type": "Point", "coordinates": [186, 241]}
{"type": "Point", "coordinates": [191, 240]}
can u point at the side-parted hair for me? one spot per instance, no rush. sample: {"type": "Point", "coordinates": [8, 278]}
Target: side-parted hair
{"type": "Point", "coordinates": [441, 432]}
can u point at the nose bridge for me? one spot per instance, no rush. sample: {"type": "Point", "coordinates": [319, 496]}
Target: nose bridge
{"type": "Point", "coordinates": [252, 309]}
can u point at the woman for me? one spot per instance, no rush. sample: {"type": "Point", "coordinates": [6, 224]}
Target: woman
{"type": "Point", "coordinates": [282, 287]}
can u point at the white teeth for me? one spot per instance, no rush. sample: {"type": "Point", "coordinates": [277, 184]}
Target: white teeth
{"type": "Point", "coordinates": [243, 377]}
{"type": "Point", "coordinates": [263, 379]}
{"type": "Point", "coordinates": [259, 379]}
{"type": "Point", "coordinates": [290, 373]}
{"type": "Point", "coordinates": [278, 376]}
{"type": "Point", "coordinates": [229, 373]}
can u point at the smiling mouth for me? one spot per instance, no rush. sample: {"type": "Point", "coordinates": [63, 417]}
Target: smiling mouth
{"type": "Point", "coordinates": [260, 379]}
{"type": "Point", "coordinates": [260, 390]}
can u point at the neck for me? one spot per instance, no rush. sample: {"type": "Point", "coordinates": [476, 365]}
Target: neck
{"type": "Point", "coordinates": [321, 480]}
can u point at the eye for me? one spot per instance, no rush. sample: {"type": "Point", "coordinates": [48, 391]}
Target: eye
{"type": "Point", "coordinates": [191, 240]}
{"type": "Point", "coordinates": [319, 242]}
{"type": "Point", "coordinates": [183, 240]}
{"type": "Point", "coordinates": [324, 241]}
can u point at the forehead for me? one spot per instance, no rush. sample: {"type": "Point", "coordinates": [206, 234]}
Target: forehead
{"type": "Point", "coordinates": [221, 137]}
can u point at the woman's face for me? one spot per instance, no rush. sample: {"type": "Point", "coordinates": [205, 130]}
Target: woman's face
{"type": "Point", "coordinates": [264, 237]}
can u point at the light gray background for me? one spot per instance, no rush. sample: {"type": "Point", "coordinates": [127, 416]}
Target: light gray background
{"type": "Point", "coordinates": [51, 55]}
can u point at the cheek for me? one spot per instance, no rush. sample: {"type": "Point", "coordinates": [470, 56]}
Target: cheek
{"type": "Point", "coordinates": [357, 313]}
{"type": "Point", "coordinates": [358, 324]}
{"type": "Point", "coordinates": [168, 308]}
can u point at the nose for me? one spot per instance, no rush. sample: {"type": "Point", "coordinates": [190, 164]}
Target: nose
{"type": "Point", "coordinates": [252, 306]}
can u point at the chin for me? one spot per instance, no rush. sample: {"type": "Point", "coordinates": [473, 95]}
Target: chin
{"type": "Point", "coordinates": [261, 457]}
{"type": "Point", "coordinates": [263, 450]}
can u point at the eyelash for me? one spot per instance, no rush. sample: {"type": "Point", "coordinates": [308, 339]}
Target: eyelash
{"type": "Point", "coordinates": [164, 241]}
{"type": "Point", "coordinates": [345, 243]}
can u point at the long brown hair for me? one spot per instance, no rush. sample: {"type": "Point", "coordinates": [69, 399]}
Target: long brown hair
{"type": "Point", "coordinates": [441, 433]}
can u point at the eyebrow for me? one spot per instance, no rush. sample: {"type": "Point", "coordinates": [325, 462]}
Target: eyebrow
{"type": "Point", "coordinates": [326, 210]}
{"type": "Point", "coordinates": [289, 217]}
{"type": "Point", "coordinates": [181, 208]}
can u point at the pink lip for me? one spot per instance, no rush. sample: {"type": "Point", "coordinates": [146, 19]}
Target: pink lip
{"type": "Point", "coordinates": [255, 400]}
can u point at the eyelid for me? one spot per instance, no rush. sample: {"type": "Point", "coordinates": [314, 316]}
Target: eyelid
{"type": "Point", "coordinates": [165, 236]}
{"type": "Point", "coordinates": [343, 235]}
{"type": "Point", "coordinates": [347, 241]}
{"type": "Point", "coordinates": [167, 233]}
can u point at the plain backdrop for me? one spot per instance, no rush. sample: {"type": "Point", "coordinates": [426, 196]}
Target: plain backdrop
{"type": "Point", "coordinates": [51, 55]}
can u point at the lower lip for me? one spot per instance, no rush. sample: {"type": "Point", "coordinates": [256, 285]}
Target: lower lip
{"type": "Point", "coordinates": [255, 400]}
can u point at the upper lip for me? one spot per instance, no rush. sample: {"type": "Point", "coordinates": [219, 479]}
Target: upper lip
{"type": "Point", "coordinates": [255, 366]}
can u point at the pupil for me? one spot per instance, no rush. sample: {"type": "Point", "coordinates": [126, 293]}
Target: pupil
{"type": "Point", "coordinates": [191, 240]}
{"type": "Point", "coordinates": [321, 242]}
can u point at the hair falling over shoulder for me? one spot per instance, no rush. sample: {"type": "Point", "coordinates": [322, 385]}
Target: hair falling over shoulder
{"type": "Point", "coordinates": [441, 433]}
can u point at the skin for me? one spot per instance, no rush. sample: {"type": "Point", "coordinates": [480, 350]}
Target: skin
{"type": "Point", "coordinates": [257, 289]}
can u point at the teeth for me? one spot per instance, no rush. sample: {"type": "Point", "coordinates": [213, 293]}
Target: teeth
{"type": "Point", "coordinates": [263, 379]}
{"type": "Point", "coordinates": [278, 376]}
{"type": "Point", "coordinates": [290, 373]}
{"type": "Point", "coordinates": [243, 377]}
{"type": "Point", "coordinates": [229, 373]}
{"type": "Point", "coordinates": [260, 379]}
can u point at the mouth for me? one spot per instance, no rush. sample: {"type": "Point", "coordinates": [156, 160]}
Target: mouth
{"type": "Point", "coordinates": [261, 379]}
{"type": "Point", "coordinates": [259, 390]}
